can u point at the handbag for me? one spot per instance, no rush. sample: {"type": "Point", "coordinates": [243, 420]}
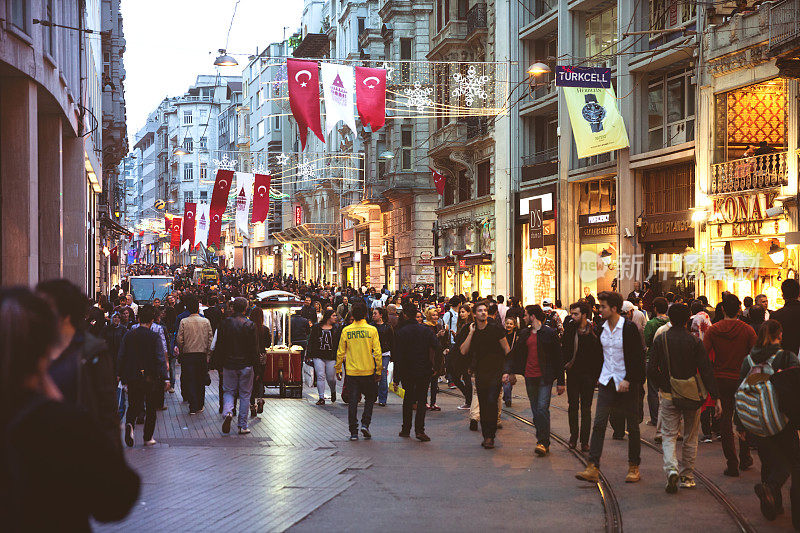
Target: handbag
{"type": "Point", "coordinates": [687, 394]}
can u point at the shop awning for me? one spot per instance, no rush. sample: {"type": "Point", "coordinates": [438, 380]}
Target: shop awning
{"type": "Point", "coordinates": [477, 259]}
{"type": "Point", "coordinates": [443, 260]}
{"type": "Point", "coordinates": [115, 227]}
{"type": "Point", "coordinates": [321, 236]}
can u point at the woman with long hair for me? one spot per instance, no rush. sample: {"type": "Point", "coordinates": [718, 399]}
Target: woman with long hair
{"type": "Point", "coordinates": [459, 362]}
{"type": "Point", "coordinates": [779, 453]}
{"type": "Point", "coordinates": [512, 332]}
{"type": "Point", "coordinates": [322, 344]}
{"type": "Point", "coordinates": [432, 321]}
{"type": "Point", "coordinates": [380, 319]}
{"type": "Point", "coordinates": [264, 338]}
{"type": "Point", "coordinates": [86, 473]}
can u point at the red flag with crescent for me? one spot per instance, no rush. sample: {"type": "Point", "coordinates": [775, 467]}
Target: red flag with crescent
{"type": "Point", "coordinates": [219, 202]}
{"type": "Point", "coordinates": [439, 180]}
{"type": "Point", "coordinates": [167, 222]}
{"type": "Point", "coordinates": [175, 230]}
{"type": "Point", "coordinates": [303, 80]}
{"type": "Point", "coordinates": [189, 212]}
{"type": "Point", "coordinates": [371, 96]}
{"type": "Point", "coordinates": [260, 198]}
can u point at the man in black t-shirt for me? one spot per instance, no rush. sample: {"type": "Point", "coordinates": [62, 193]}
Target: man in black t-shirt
{"type": "Point", "coordinates": [487, 348]}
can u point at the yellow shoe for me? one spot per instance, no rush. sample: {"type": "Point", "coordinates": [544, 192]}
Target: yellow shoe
{"type": "Point", "coordinates": [633, 474]}
{"type": "Point", "coordinates": [591, 474]}
{"type": "Point", "coordinates": [541, 450]}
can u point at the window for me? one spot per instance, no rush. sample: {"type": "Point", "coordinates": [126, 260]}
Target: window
{"type": "Point", "coordinates": [188, 197]}
{"type": "Point", "coordinates": [187, 117]}
{"type": "Point", "coordinates": [405, 218]}
{"type": "Point", "coordinates": [449, 192]}
{"type": "Point", "coordinates": [601, 36]}
{"type": "Point", "coordinates": [48, 32]}
{"type": "Point", "coordinates": [203, 171]}
{"type": "Point", "coordinates": [464, 187]}
{"type": "Point", "coordinates": [439, 15]}
{"type": "Point", "coordinates": [188, 171]}
{"type": "Point", "coordinates": [462, 7]}
{"type": "Point", "coordinates": [361, 25]}
{"type": "Point", "coordinates": [387, 223]}
{"type": "Point", "coordinates": [406, 162]}
{"type": "Point", "coordinates": [405, 55]}
{"type": "Point", "coordinates": [20, 15]}
{"type": "Point", "coordinates": [276, 123]}
{"type": "Point", "coordinates": [203, 143]}
{"type": "Point", "coordinates": [203, 195]}
{"type": "Point", "coordinates": [670, 110]}
{"type": "Point", "coordinates": [260, 129]}
{"type": "Point", "coordinates": [188, 144]}
{"type": "Point", "coordinates": [382, 170]}
{"type": "Point", "coordinates": [483, 179]}
{"type": "Point", "coordinates": [669, 189]}
{"type": "Point", "coordinates": [259, 98]}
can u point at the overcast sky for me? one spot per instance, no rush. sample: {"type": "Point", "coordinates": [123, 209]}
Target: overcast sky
{"type": "Point", "coordinates": [170, 42]}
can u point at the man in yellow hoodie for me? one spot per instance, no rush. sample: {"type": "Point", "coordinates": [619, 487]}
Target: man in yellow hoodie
{"type": "Point", "coordinates": [360, 349]}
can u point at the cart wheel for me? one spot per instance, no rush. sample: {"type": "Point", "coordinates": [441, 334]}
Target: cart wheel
{"type": "Point", "coordinates": [281, 384]}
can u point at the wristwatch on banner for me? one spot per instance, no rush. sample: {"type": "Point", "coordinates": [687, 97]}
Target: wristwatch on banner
{"type": "Point", "coordinates": [594, 113]}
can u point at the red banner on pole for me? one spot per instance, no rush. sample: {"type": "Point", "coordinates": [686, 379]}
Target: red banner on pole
{"type": "Point", "coordinates": [175, 240]}
{"type": "Point", "coordinates": [371, 96]}
{"type": "Point", "coordinates": [260, 198]}
{"type": "Point", "coordinates": [303, 80]}
{"type": "Point", "coordinates": [439, 180]}
{"type": "Point", "coordinates": [189, 212]}
{"type": "Point", "coordinates": [219, 202]}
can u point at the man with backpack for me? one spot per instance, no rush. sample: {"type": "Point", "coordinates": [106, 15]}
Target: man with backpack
{"type": "Point", "coordinates": [679, 367]}
{"type": "Point", "coordinates": [756, 417]}
{"type": "Point", "coordinates": [731, 340]}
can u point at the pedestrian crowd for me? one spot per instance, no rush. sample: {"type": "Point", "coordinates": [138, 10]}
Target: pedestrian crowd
{"type": "Point", "coordinates": [726, 374]}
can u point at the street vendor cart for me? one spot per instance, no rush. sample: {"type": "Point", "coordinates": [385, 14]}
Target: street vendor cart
{"type": "Point", "coordinates": [284, 362]}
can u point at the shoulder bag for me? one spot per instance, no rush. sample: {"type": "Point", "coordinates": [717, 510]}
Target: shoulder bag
{"type": "Point", "coordinates": [687, 394]}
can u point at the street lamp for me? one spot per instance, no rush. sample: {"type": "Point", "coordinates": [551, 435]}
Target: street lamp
{"type": "Point", "coordinates": [386, 154]}
{"type": "Point", "coordinates": [179, 151]}
{"type": "Point", "coordinates": [225, 60]}
{"type": "Point", "coordinates": [538, 68]}
{"type": "Point", "coordinates": [776, 253]}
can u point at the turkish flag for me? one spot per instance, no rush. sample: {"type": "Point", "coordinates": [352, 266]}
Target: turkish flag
{"type": "Point", "coordinates": [371, 96]}
{"type": "Point", "coordinates": [141, 233]}
{"type": "Point", "coordinates": [175, 230]}
{"type": "Point", "coordinates": [167, 222]}
{"type": "Point", "coordinates": [219, 202]}
{"type": "Point", "coordinates": [439, 180]}
{"type": "Point", "coordinates": [303, 80]}
{"type": "Point", "coordinates": [260, 198]}
{"type": "Point", "coordinates": [189, 212]}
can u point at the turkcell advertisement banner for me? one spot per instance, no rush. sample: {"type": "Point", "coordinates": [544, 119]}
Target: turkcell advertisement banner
{"type": "Point", "coordinates": [592, 104]}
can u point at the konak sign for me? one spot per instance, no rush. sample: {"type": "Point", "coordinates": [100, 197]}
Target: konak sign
{"type": "Point", "coordinates": [745, 212]}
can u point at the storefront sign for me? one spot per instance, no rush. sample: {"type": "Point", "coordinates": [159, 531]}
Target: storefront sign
{"type": "Point", "coordinates": [744, 213]}
{"type": "Point", "coordinates": [424, 262]}
{"type": "Point", "coordinates": [298, 215]}
{"type": "Point", "coordinates": [357, 257]}
{"type": "Point", "coordinates": [426, 256]}
{"type": "Point", "coordinates": [596, 219]}
{"type": "Point", "coordinates": [596, 231]}
{"type": "Point", "coordinates": [376, 257]}
{"type": "Point", "coordinates": [666, 227]}
{"type": "Point", "coordinates": [536, 225]}
{"type": "Point", "coordinates": [588, 77]}
{"type": "Point", "coordinates": [462, 263]}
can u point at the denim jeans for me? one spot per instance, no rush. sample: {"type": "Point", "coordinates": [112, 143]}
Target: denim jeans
{"type": "Point", "coordinates": [383, 388]}
{"type": "Point", "coordinates": [122, 396]}
{"type": "Point", "coordinates": [539, 392]}
{"type": "Point", "coordinates": [727, 392]}
{"type": "Point", "coordinates": [241, 381]}
{"type": "Point", "coordinates": [609, 399]}
{"type": "Point", "coordinates": [144, 395]}
{"type": "Point", "coordinates": [507, 390]}
{"type": "Point", "coordinates": [434, 389]}
{"type": "Point", "coordinates": [325, 372]}
{"type": "Point", "coordinates": [359, 385]}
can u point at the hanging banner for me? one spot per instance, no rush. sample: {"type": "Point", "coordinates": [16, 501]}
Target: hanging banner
{"type": "Point", "coordinates": [203, 223]}
{"type": "Point", "coordinates": [219, 202]}
{"type": "Point", "coordinates": [260, 198]}
{"type": "Point", "coordinates": [592, 104]}
{"type": "Point", "coordinates": [175, 232]}
{"type": "Point", "coordinates": [371, 96]}
{"type": "Point", "coordinates": [337, 87]}
{"type": "Point", "coordinates": [244, 194]}
{"type": "Point", "coordinates": [304, 97]}
{"type": "Point", "coordinates": [439, 181]}
{"type": "Point", "coordinates": [189, 223]}
{"type": "Point", "coordinates": [168, 222]}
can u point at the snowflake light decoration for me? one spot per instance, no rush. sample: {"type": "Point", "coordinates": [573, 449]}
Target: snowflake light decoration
{"type": "Point", "coordinates": [306, 169]}
{"type": "Point", "coordinates": [225, 163]}
{"type": "Point", "coordinates": [419, 96]}
{"type": "Point", "coordinates": [389, 69]}
{"type": "Point", "coordinates": [283, 159]}
{"type": "Point", "coordinates": [470, 86]}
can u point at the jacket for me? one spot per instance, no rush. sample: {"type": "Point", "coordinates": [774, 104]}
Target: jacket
{"type": "Point", "coordinates": [195, 334]}
{"type": "Point", "coordinates": [301, 329]}
{"type": "Point", "coordinates": [113, 336]}
{"type": "Point", "coordinates": [93, 382]}
{"type": "Point", "coordinates": [588, 358]}
{"type": "Point", "coordinates": [413, 356]}
{"type": "Point", "coordinates": [548, 350]}
{"type": "Point", "coordinates": [633, 352]}
{"type": "Point", "coordinates": [361, 347]}
{"type": "Point", "coordinates": [309, 313]}
{"type": "Point", "coordinates": [731, 341]}
{"type": "Point", "coordinates": [142, 357]}
{"type": "Point", "coordinates": [237, 343]}
{"type": "Point", "coordinates": [687, 357]}
{"type": "Point", "coordinates": [789, 317]}
{"type": "Point", "coordinates": [651, 327]}
{"type": "Point", "coordinates": [386, 337]}
{"type": "Point", "coordinates": [318, 350]}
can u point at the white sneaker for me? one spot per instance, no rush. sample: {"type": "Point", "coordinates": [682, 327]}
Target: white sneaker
{"type": "Point", "coordinates": [243, 431]}
{"type": "Point", "coordinates": [463, 407]}
{"type": "Point", "coordinates": [150, 442]}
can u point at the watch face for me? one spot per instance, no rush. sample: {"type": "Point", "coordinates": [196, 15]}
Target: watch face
{"type": "Point", "coordinates": [593, 112]}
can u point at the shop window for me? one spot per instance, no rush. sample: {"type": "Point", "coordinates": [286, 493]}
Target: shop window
{"type": "Point", "coordinates": [483, 179]}
{"type": "Point", "coordinates": [598, 196]}
{"type": "Point", "coordinates": [538, 268]}
{"type": "Point", "coordinates": [670, 110]}
{"type": "Point", "coordinates": [668, 189]}
{"type": "Point", "coordinates": [464, 187]}
{"type": "Point", "coordinates": [601, 37]}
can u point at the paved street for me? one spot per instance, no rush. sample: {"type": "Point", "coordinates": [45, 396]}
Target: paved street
{"type": "Point", "coordinates": [298, 471]}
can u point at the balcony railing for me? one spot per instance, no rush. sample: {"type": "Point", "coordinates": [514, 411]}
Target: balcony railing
{"type": "Point", "coordinates": [477, 127]}
{"type": "Point", "coordinates": [540, 8]}
{"type": "Point", "coordinates": [542, 156]}
{"type": "Point", "coordinates": [784, 22]}
{"type": "Point", "coordinates": [542, 164]}
{"type": "Point", "coordinates": [476, 18]}
{"type": "Point", "coordinates": [757, 172]}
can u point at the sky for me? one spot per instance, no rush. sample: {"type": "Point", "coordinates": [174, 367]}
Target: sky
{"type": "Point", "coordinates": [185, 36]}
